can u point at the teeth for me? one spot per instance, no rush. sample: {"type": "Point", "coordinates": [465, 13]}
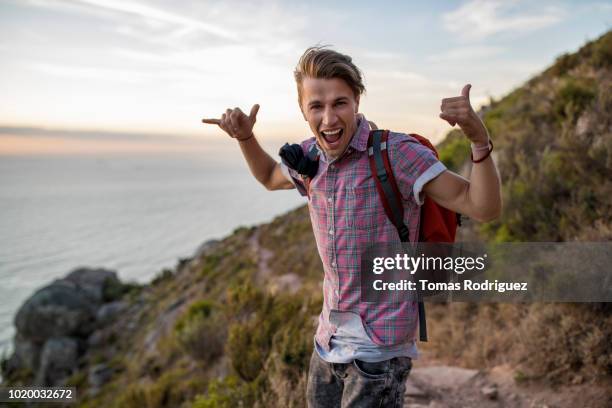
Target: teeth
{"type": "Point", "coordinates": [333, 132]}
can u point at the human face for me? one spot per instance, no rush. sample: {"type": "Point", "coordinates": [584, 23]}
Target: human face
{"type": "Point", "coordinates": [330, 107]}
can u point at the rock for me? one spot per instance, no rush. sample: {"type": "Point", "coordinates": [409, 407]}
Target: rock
{"type": "Point", "coordinates": [58, 360]}
{"type": "Point", "coordinates": [206, 248]}
{"type": "Point", "coordinates": [109, 311]}
{"type": "Point", "coordinates": [99, 375]}
{"type": "Point", "coordinates": [489, 391]}
{"type": "Point", "coordinates": [93, 281]}
{"type": "Point", "coordinates": [413, 391]}
{"type": "Point", "coordinates": [96, 339]}
{"type": "Point", "coordinates": [53, 322]}
{"type": "Point", "coordinates": [287, 283]}
{"type": "Point", "coordinates": [57, 310]}
{"type": "Point", "coordinates": [26, 354]}
{"type": "Point", "coordinates": [442, 376]}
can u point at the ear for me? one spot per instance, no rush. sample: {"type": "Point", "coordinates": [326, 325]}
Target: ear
{"type": "Point", "coordinates": [357, 104]}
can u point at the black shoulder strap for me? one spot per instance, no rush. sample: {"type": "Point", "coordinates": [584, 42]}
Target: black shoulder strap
{"type": "Point", "coordinates": [390, 196]}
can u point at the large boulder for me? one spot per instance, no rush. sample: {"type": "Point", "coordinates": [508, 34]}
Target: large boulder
{"type": "Point", "coordinates": [54, 323]}
{"type": "Point", "coordinates": [60, 309]}
{"type": "Point", "coordinates": [94, 281]}
{"type": "Point", "coordinates": [58, 360]}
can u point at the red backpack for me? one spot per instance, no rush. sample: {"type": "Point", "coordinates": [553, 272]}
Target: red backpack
{"type": "Point", "coordinates": [437, 223]}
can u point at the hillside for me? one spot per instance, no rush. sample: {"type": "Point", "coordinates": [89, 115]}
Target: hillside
{"type": "Point", "coordinates": [233, 325]}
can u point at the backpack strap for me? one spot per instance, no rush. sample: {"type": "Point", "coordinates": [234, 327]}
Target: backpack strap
{"type": "Point", "coordinates": [385, 181]}
{"type": "Point", "coordinates": [391, 198]}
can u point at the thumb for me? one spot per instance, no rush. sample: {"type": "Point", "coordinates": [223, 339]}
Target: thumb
{"type": "Point", "coordinates": [466, 91]}
{"type": "Point", "coordinates": [254, 111]}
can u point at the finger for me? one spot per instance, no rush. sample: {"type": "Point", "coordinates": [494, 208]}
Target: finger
{"type": "Point", "coordinates": [453, 99]}
{"type": "Point", "coordinates": [463, 111]}
{"type": "Point", "coordinates": [237, 116]}
{"type": "Point", "coordinates": [449, 118]}
{"type": "Point", "coordinates": [253, 114]}
{"type": "Point", "coordinates": [466, 91]}
{"type": "Point", "coordinates": [211, 121]}
{"type": "Point", "coordinates": [463, 103]}
{"type": "Point", "coordinates": [234, 121]}
{"type": "Point", "coordinates": [223, 123]}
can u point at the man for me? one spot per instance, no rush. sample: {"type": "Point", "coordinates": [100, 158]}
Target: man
{"type": "Point", "coordinates": [363, 351]}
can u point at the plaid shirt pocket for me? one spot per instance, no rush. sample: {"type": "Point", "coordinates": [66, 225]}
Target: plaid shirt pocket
{"type": "Point", "coordinates": [362, 207]}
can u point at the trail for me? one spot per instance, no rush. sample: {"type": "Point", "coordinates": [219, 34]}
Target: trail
{"type": "Point", "coordinates": [440, 386]}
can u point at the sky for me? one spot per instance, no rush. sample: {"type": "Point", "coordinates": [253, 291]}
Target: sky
{"type": "Point", "coordinates": [91, 76]}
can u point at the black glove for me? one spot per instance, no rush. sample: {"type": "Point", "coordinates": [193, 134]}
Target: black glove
{"type": "Point", "coordinates": [293, 156]}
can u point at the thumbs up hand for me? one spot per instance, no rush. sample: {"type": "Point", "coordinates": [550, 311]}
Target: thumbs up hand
{"type": "Point", "coordinates": [236, 123]}
{"type": "Point", "coordinates": [458, 110]}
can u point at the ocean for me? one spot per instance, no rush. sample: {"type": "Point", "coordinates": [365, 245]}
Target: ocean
{"type": "Point", "coordinates": [135, 214]}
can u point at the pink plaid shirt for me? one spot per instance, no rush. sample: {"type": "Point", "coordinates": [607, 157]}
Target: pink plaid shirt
{"type": "Point", "coordinates": [347, 215]}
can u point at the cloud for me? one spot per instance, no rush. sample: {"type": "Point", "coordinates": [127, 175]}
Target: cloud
{"type": "Point", "coordinates": [158, 15]}
{"type": "Point", "coordinates": [479, 19]}
{"type": "Point", "coordinates": [465, 54]}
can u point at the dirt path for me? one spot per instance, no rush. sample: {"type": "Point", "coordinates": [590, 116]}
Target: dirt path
{"type": "Point", "coordinates": [288, 282]}
{"type": "Point", "coordinates": [439, 386]}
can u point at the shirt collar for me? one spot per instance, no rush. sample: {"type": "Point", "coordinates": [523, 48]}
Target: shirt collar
{"type": "Point", "coordinates": [360, 138]}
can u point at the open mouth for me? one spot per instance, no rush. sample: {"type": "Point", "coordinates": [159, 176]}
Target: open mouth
{"type": "Point", "coordinates": [332, 136]}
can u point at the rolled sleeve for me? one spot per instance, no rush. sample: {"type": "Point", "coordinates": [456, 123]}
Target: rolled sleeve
{"type": "Point", "coordinates": [431, 173]}
{"type": "Point", "coordinates": [414, 166]}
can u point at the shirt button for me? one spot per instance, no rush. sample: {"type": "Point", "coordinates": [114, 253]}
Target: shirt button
{"type": "Point", "coordinates": [331, 231]}
{"type": "Point", "coordinates": [331, 166]}
{"type": "Point", "coordinates": [333, 264]}
{"type": "Point", "coordinates": [329, 200]}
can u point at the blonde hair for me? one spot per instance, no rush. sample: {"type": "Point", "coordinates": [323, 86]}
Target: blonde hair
{"type": "Point", "coordinates": [321, 62]}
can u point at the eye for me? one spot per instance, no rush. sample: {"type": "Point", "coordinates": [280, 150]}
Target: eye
{"type": "Point", "coordinates": [339, 103]}
{"type": "Point", "coordinates": [315, 107]}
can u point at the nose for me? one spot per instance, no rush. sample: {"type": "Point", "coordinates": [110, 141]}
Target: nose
{"type": "Point", "coordinates": [329, 117]}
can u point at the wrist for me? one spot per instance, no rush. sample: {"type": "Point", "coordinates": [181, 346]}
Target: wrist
{"type": "Point", "coordinates": [480, 153]}
{"type": "Point", "coordinates": [246, 138]}
{"type": "Point", "coordinates": [482, 144]}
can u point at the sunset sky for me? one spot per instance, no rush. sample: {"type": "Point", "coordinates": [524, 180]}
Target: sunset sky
{"type": "Point", "coordinates": [87, 76]}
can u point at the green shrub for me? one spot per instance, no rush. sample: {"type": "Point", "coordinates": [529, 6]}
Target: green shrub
{"type": "Point", "coordinates": [229, 392]}
{"type": "Point", "coordinates": [573, 97]}
{"type": "Point", "coordinates": [114, 289]}
{"type": "Point", "coordinates": [202, 331]}
{"type": "Point", "coordinates": [165, 275]}
{"type": "Point", "coordinates": [602, 51]}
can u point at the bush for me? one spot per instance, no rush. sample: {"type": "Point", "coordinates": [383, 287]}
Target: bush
{"type": "Point", "coordinates": [602, 51]}
{"type": "Point", "coordinates": [573, 97]}
{"type": "Point", "coordinates": [164, 275]}
{"type": "Point", "coordinates": [227, 393]}
{"type": "Point", "coordinates": [114, 289]}
{"type": "Point", "coordinates": [202, 331]}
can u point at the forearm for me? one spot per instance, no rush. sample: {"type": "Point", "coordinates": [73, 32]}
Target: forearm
{"type": "Point", "coordinates": [260, 163]}
{"type": "Point", "coordinates": [484, 190]}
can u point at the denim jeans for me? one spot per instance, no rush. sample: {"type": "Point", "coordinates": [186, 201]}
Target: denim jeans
{"type": "Point", "coordinates": [358, 384]}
